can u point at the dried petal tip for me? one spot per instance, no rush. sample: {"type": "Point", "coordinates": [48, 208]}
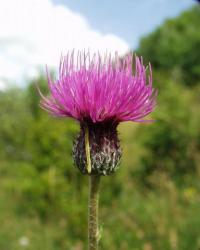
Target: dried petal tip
{"type": "Point", "coordinates": [104, 149]}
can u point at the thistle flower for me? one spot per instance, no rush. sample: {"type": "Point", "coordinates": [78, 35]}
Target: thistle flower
{"type": "Point", "coordinates": [100, 92]}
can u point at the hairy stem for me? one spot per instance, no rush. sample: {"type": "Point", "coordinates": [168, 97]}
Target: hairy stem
{"type": "Point", "coordinates": [93, 231]}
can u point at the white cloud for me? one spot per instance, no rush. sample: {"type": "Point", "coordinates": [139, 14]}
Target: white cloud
{"type": "Point", "coordinates": [3, 85]}
{"type": "Point", "coordinates": [35, 32]}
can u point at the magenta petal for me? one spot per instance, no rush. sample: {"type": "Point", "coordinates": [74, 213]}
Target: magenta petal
{"type": "Point", "coordinates": [101, 88]}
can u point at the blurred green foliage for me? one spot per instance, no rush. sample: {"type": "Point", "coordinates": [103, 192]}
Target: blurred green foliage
{"type": "Point", "coordinates": [151, 203]}
{"type": "Point", "coordinates": [174, 47]}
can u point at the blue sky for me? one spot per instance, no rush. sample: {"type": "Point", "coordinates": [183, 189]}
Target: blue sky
{"type": "Point", "coordinates": [34, 33]}
{"type": "Point", "coordinates": [128, 19]}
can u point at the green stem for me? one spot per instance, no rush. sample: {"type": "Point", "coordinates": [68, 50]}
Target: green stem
{"type": "Point", "coordinates": [93, 231]}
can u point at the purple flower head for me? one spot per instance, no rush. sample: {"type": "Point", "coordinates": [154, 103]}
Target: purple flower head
{"type": "Point", "coordinates": [100, 92]}
{"type": "Point", "coordinates": [95, 88]}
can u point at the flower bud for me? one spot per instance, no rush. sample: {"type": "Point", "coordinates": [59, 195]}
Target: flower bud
{"type": "Point", "coordinates": [104, 148]}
